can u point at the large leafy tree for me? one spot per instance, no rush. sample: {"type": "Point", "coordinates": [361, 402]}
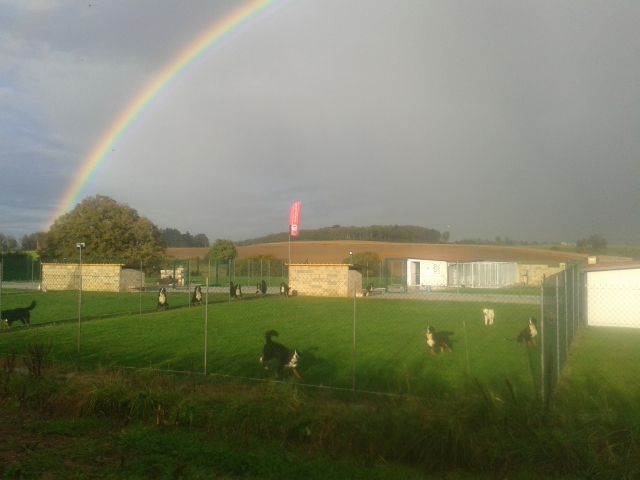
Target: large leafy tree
{"type": "Point", "coordinates": [222, 250]}
{"type": "Point", "coordinates": [111, 232]}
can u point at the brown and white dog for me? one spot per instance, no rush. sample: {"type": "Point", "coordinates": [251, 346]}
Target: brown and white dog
{"type": "Point", "coordinates": [489, 315]}
{"type": "Point", "coordinates": [196, 298]}
{"type": "Point", "coordinates": [437, 341]}
{"type": "Point", "coordinates": [163, 301]}
{"type": "Point", "coordinates": [529, 333]}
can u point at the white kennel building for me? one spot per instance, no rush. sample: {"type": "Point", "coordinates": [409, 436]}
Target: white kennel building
{"type": "Point", "coordinates": [426, 273]}
{"type": "Point", "coordinates": [483, 274]}
{"type": "Point", "coordinates": [613, 295]}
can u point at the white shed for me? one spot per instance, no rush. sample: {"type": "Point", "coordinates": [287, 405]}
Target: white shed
{"type": "Point", "coordinates": [426, 273]}
{"type": "Point", "coordinates": [613, 295]}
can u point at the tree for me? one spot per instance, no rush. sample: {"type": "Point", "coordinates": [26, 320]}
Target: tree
{"type": "Point", "coordinates": [8, 243]}
{"type": "Point", "coordinates": [222, 250]}
{"type": "Point", "coordinates": [594, 244]}
{"type": "Point", "coordinates": [367, 262]}
{"type": "Point", "coordinates": [33, 241]}
{"type": "Point", "coordinates": [111, 232]}
{"type": "Point", "coordinates": [200, 240]}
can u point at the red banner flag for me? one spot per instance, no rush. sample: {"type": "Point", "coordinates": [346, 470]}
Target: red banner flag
{"type": "Point", "coordinates": [294, 218]}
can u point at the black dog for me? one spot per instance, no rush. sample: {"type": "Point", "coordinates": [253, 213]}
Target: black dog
{"type": "Point", "coordinates": [196, 298]}
{"type": "Point", "coordinates": [261, 288]}
{"type": "Point", "coordinates": [284, 358]}
{"type": "Point", "coordinates": [284, 289]}
{"type": "Point", "coordinates": [437, 341]}
{"type": "Point", "coordinates": [163, 301]}
{"type": "Point", "coordinates": [529, 333]}
{"type": "Point", "coordinates": [22, 314]}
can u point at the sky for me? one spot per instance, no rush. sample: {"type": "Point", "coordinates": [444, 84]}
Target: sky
{"type": "Point", "coordinates": [494, 118]}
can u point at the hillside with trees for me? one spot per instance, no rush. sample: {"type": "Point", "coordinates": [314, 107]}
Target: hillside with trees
{"type": "Point", "coordinates": [375, 233]}
{"type": "Point", "coordinates": [172, 237]}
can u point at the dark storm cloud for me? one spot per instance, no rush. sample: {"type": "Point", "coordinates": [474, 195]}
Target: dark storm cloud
{"type": "Point", "coordinates": [515, 119]}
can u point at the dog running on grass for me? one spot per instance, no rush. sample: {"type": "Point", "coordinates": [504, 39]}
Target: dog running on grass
{"type": "Point", "coordinates": [21, 314]}
{"type": "Point", "coordinates": [281, 355]}
{"type": "Point", "coordinates": [529, 333]}
{"type": "Point", "coordinates": [437, 341]}
{"type": "Point", "coordinates": [196, 298]}
{"type": "Point", "coordinates": [489, 315]}
{"type": "Point", "coordinates": [163, 301]}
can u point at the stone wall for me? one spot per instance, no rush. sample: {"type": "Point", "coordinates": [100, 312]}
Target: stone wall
{"type": "Point", "coordinates": [534, 274]}
{"type": "Point", "coordinates": [131, 280]}
{"type": "Point", "coordinates": [95, 277]}
{"type": "Point", "coordinates": [324, 280]}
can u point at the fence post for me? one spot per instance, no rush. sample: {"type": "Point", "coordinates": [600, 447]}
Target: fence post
{"type": "Point", "coordinates": [353, 371]}
{"type": "Point", "coordinates": [542, 392]}
{"type": "Point", "coordinates": [206, 324]}
{"type": "Point", "coordinates": [557, 332]}
{"type": "Point", "coordinates": [566, 318]}
{"type": "Point", "coordinates": [141, 287]}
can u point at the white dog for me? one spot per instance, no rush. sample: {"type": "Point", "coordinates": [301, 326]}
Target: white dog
{"type": "Point", "coordinates": [489, 315]}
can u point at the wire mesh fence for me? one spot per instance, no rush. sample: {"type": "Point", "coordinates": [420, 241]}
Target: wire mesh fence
{"type": "Point", "coordinates": [20, 267]}
{"type": "Point", "coordinates": [374, 344]}
{"type": "Point", "coordinates": [562, 313]}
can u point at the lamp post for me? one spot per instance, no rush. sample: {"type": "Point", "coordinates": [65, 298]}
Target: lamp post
{"type": "Point", "coordinates": [351, 257]}
{"type": "Point", "coordinates": [79, 246]}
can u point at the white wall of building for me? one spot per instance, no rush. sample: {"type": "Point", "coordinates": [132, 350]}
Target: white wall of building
{"type": "Point", "coordinates": [426, 273]}
{"type": "Point", "coordinates": [613, 298]}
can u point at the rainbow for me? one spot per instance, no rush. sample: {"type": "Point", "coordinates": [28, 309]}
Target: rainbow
{"type": "Point", "coordinates": [98, 154]}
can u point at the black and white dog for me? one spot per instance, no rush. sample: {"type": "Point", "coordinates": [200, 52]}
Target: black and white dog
{"type": "Point", "coordinates": [163, 301]}
{"type": "Point", "coordinates": [21, 314]}
{"type": "Point", "coordinates": [284, 289]}
{"type": "Point", "coordinates": [234, 290]}
{"type": "Point", "coordinates": [529, 333]}
{"type": "Point", "coordinates": [261, 288]}
{"type": "Point", "coordinates": [437, 341]}
{"type": "Point", "coordinates": [278, 353]}
{"type": "Point", "coordinates": [196, 298]}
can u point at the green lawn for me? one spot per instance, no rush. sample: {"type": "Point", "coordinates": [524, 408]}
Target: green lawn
{"type": "Point", "coordinates": [390, 350]}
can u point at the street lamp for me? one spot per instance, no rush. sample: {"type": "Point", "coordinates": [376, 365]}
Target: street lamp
{"type": "Point", "coordinates": [79, 246]}
{"type": "Point", "coordinates": [351, 257]}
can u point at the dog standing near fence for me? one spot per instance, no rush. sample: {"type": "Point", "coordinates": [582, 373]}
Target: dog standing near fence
{"type": "Point", "coordinates": [163, 301]}
{"type": "Point", "coordinates": [196, 298]}
{"type": "Point", "coordinates": [529, 333]}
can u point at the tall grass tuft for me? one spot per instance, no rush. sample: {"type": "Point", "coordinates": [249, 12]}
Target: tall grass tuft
{"type": "Point", "coordinates": [38, 354]}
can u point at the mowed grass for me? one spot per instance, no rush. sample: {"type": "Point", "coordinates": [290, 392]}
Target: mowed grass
{"type": "Point", "coordinates": [389, 353]}
{"type": "Point", "coordinates": [63, 306]}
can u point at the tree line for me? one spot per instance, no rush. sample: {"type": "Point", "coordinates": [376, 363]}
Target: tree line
{"type": "Point", "coordinates": [375, 233]}
{"type": "Point", "coordinates": [116, 233]}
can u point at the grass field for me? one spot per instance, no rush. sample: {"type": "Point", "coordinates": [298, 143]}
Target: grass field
{"type": "Point", "coordinates": [470, 413]}
{"type": "Point", "coordinates": [390, 351]}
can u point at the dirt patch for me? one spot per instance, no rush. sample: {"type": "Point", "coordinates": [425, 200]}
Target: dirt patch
{"type": "Point", "coordinates": [338, 251]}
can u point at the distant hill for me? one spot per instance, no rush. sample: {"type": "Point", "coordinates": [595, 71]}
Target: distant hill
{"type": "Point", "coordinates": [374, 233]}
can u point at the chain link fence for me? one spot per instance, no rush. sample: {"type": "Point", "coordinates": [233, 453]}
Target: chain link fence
{"type": "Point", "coordinates": [562, 313]}
{"type": "Point", "coordinates": [78, 294]}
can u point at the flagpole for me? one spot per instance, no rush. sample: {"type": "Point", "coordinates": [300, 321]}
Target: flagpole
{"type": "Point", "coordinates": [288, 265]}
